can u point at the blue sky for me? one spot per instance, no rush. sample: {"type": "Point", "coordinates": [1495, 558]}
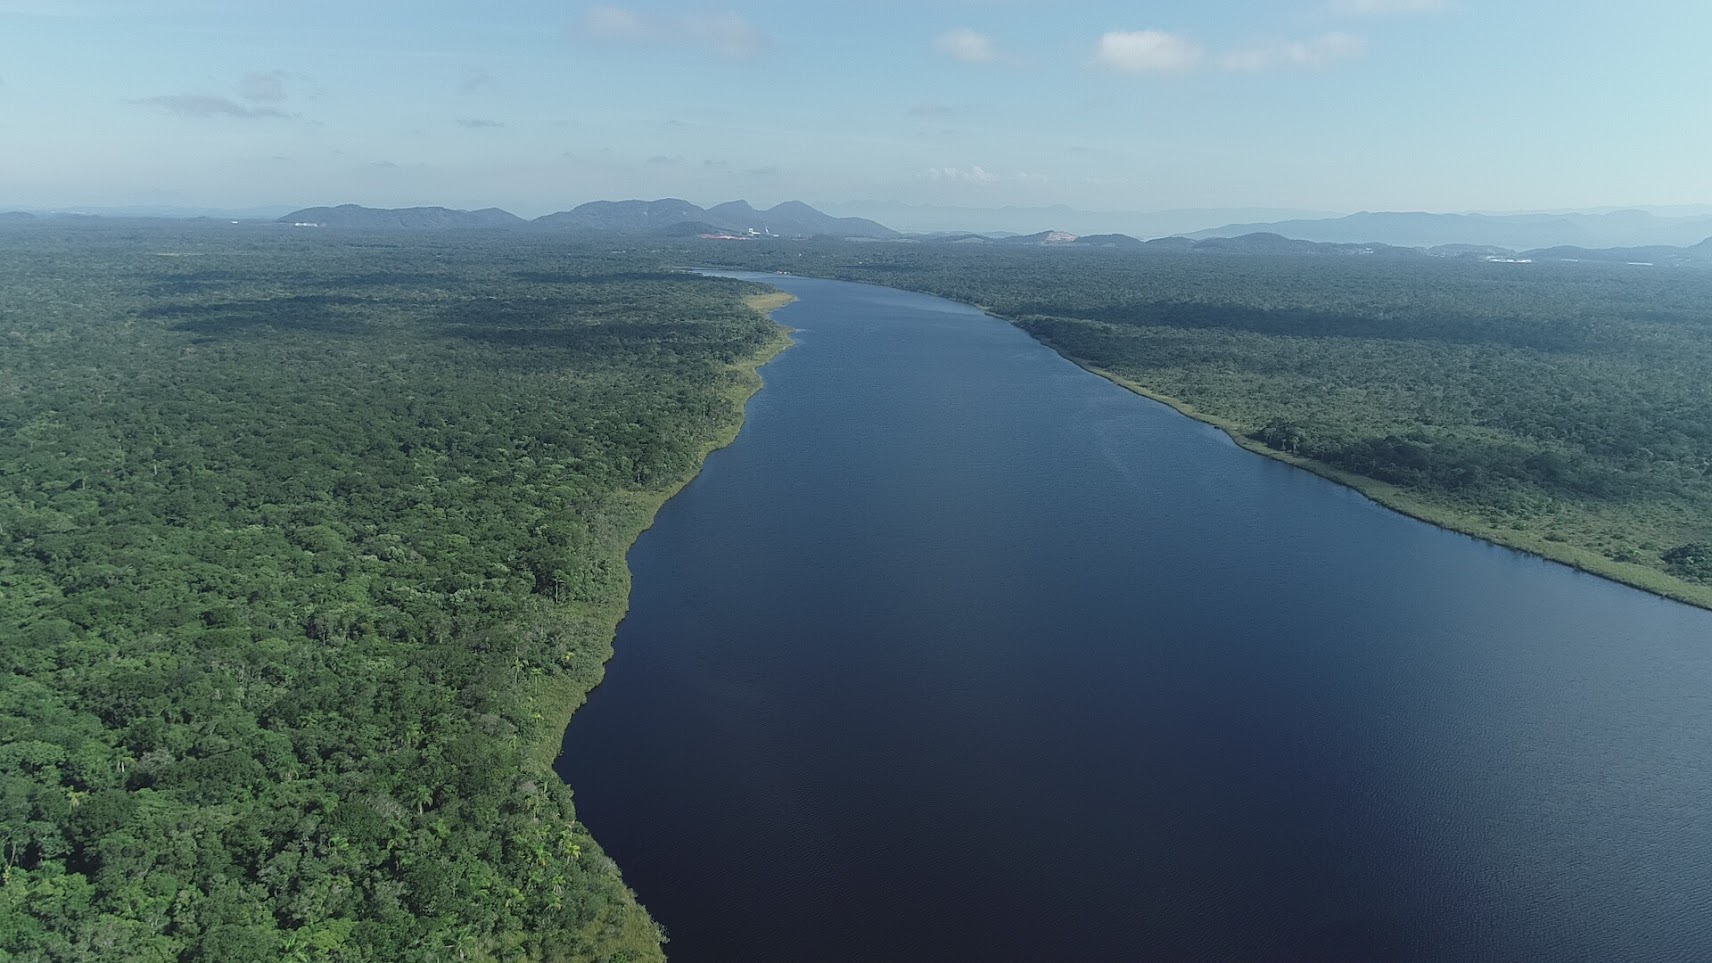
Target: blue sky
{"type": "Point", "coordinates": [535, 106]}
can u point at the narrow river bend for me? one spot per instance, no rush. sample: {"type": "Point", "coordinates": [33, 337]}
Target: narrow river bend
{"type": "Point", "coordinates": [963, 653]}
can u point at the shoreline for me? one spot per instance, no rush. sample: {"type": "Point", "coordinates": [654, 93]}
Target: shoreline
{"type": "Point", "coordinates": [1401, 501]}
{"type": "Point", "coordinates": [648, 504]}
{"type": "Point", "coordinates": [1640, 577]}
{"type": "Point", "coordinates": [555, 701]}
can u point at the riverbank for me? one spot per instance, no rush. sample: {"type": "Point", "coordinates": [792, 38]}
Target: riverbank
{"type": "Point", "coordinates": [1532, 409]}
{"type": "Point", "coordinates": [1407, 503]}
{"type": "Point", "coordinates": [556, 699]}
{"type": "Point", "coordinates": [1564, 546]}
{"type": "Point", "coordinates": [1118, 614]}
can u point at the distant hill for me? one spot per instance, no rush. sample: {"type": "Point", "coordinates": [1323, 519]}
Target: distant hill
{"type": "Point", "coordinates": [1167, 244]}
{"type": "Point", "coordinates": [689, 229]}
{"type": "Point", "coordinates": [1257, 243]}
{"type": "Point", "coordinates": [16, 217]}
{"type": "Point", "coordinates": [1109, 240]}
{"type": "Point", "coordinates": [1469, 250]}
{"type": "Point", "coordinates": [1041, 238]}
{"type": "Point", "coordinates": [624, 217]}
{"type": "Point", "coordinates": [956, 238]}
{"type": "Point", "coordinates": [790, 219]}
{"type": "Point", "coordinates": [1651, 254]}
{"type": "Point", "coordinates": [1269, 243]}
{"type": "Point", "coordinates": [1513, 231]}
{"type": "Point", "coordinates": [408, 218]}
{"type": "Point", "coordinates": [994, 222]}
{"type": "Point", "coordinates": [176, 212]}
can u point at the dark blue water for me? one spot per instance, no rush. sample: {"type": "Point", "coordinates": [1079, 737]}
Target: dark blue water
{"type": "Point", "coordinates": [963, 653]}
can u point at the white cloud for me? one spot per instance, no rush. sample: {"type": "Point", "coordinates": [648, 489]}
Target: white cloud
{"type": "Point", "coordinates": [259, 95]}
{"type": "Point", "coordinates": [1146, 51]}
{"type": "Point", "coordinates": [205, 106]}
{"type": "Point", "coordinates": [1316, 52]}
{"type": "Point", "coordinates": [977, 175]}
{"type": "Point", "coordinates": [725, 34]}
{"type": "Point", "coordinates": [614, 24]}
{"type": "Point", "coordinates": [267, 88]}
{"type": "Point", "coordinates": [1386, 8]}
{"type": "Point", "coordinates": [968, 46]}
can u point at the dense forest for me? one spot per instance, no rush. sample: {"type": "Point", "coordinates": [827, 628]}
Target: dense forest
{"type": "Point", "coordinates": [309, 545]}
{"type": "Point", "coordinates": [1559, 408]}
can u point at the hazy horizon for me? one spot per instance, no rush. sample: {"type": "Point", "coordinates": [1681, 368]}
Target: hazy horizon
{"type": "Point", "coordinates": [848, 208]}
{"type": "Point", "coordinates": [1314, 105]}
{"type": "Point", "coordinates": [1669, 226]}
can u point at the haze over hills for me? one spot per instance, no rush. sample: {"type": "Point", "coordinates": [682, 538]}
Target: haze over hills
{"type": "Point", "coordinates": [1594, 229]}
{"type": "Point", "coordinates": [668, 216]}
{"type": "Point", "coordinates": [1259, 243]}
{"type": "Point", "coordinates": [1267, 243]}
{"type": "Point", "coordinates": [677, 218]}
{"type": "Point", "coordinates": [1385, 234]}
{"type": "Point", "coordinates": [628, 217]}
{"type": "Point", "coordinates": [790, 219]}
{"type": "Point", "coordinates": [1625, 228]}
{"type": "Point", "coordinates": [928, 219]}
{"type": "Point", "coordinates": [1652, 254]}
{"type": "Point", "coordinates": [407, 218]}
{"type": "Point", "coordinates": [172, 211]}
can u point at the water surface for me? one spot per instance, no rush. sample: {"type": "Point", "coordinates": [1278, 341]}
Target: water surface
{"type": "Point", "coordinates": [962, 653]}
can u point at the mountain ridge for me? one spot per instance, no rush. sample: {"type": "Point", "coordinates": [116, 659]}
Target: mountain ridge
{"type": "Point", "coordinates": [670, 215]}
{"type": "Point", "coordinates": [1271, 243]}
{"type": "Point", "coordinates": [403, 218]}
{"type": "Point", "coordinates": [1517, 232]}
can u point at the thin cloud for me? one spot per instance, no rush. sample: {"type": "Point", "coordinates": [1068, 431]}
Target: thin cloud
{"type": "Point", "coordinates": [203, 106]}
{"type": "Point", "coordinates": [263, 87]}
{"type": "Point", "coordinates": [936, 110]}
{"type": "Point", "coordinates": [977, 175]}
{"type": "Point", "coordinates": [727, 35]}
{"type": "Point", "coordinates": [43, 8]}
{"type": "Point", "coordinates": [1157, 51]}
{"type": "Point", "coordinates": [475, 80]}
{"type": "Point", "coordinates": [479, 123]}
{"type": "Point", "coordinates": [1147, 51]}
{"type": "Point", "coordinates": [616, 25]}
{"type": "Point", "coordinates": [1387, 8]}
{"type": "Point", "coordinates": [1317, 52]}
{"type": "Point", "coordinates": [967, 46]}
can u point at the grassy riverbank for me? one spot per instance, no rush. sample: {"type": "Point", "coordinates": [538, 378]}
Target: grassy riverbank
{"type": "Point", "coordinates": [559, 700]}
{"type": "Point", "coordinates": [554, 701]}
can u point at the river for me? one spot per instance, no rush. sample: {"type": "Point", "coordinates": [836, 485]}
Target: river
{"type": "Point", "coordinates": [963, 653]}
